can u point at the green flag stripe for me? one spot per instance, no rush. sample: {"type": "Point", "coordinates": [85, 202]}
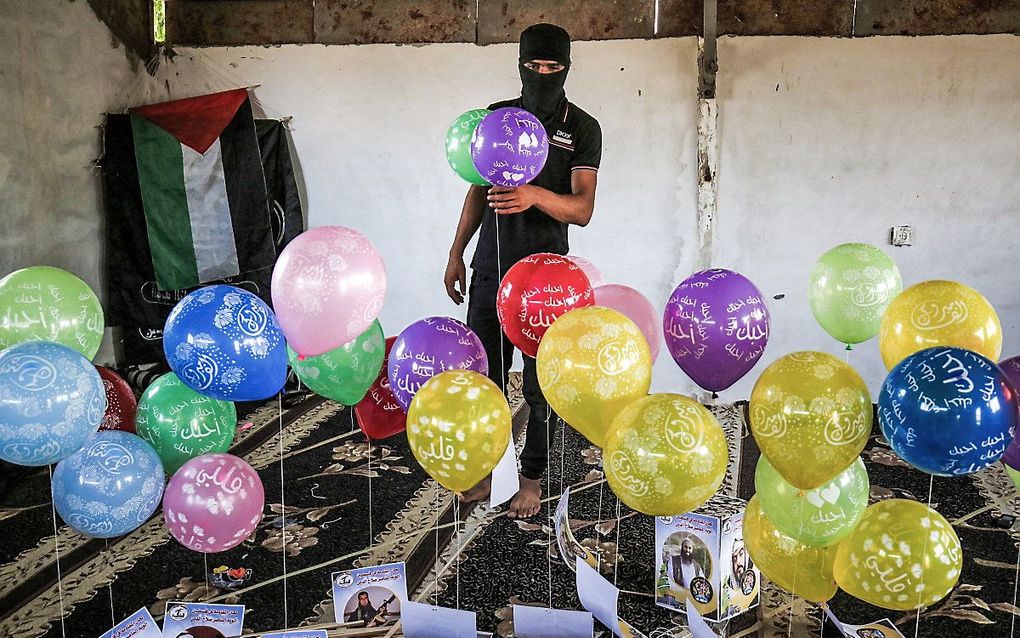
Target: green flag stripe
{"type": "Point", "coordinates": [168, 224]}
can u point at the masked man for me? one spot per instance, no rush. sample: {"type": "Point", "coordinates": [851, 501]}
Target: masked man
{"type": "Point", "coordinates": [517, 222]}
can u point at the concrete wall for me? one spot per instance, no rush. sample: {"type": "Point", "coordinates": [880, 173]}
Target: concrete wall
{"type": "Point", "coordinates": [821, 141]}
{"type": "Point", "coordinates": [60, 69]}
{"type": "Point", "coordinates": [828, 141]}
{"type": "Point", "coordinates": [369, 124]}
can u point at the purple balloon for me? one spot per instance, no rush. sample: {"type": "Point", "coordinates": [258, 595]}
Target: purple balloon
{"type": "Point", "coordinates": [509, 147]}
{"type": "Point", "coordinates": [716, 325]}
{"type": "Point", "coordinates": [428, 347]}
{"type": "Point", "coordinates": [1011, 368]}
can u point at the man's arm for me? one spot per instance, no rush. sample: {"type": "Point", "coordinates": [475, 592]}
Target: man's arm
{"type": "Point", "coordinates": [575, 208]}
{"type": "Point", "coordinates": [470, 220]}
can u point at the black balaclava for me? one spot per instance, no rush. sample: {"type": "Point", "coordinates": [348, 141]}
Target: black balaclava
{"type": "Point", "coordinates": [542, 93]}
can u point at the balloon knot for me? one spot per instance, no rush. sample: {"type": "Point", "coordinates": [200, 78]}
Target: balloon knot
{"type": "Point", "coordinates": [715, 395]}
{"type": "Point", "coordinates": [301, 357]}
{"type": "Point", "coordinates": [849, 347]}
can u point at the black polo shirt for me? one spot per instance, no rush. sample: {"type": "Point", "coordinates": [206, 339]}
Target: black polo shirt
{"type": "Point", "coordinates": [575, 143]}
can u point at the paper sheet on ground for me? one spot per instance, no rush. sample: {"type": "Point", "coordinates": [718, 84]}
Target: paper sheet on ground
{"type": "Point", "coordinates": [505, 480]}
{"type": "Point", "coordinates": [428, 621]}
{"type": "Point", "coordinates": [138, 625]}
{"type": "Point", "coordinates": [879, 629]}
{"type": "Point", "coordinates": [699, 628]}
{"type": "Point", "coordinates": [569, 547]}
{"type": "Point", "coordinates": [542, 622]}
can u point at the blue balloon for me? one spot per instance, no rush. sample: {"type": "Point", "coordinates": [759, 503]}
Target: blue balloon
{"type": "Point", "coordinates": [947, 411]}
{"type": "Point", "coordinates": [109, 487]}
{"type": "Point", "coordinates": [52, 400]}
{"type": "Point", "coordinates": [225, 343]}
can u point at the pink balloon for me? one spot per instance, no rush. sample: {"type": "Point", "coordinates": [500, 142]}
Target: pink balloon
{"type": "Point", "coordinates": [328, 288]}
{"type": "Point", "coordinates": [213, 503]}
{"type": "Point", "coordinates": [635, 307]}
{"type": "Point", "coordinates": [589, 269]}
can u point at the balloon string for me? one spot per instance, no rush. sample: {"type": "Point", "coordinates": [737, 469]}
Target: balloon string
{"type": "Point", "coordinates": [109, 586]}
{"type": "Point", "coordinates": [1016, 582]}
{"type": "Point", "coordinates": [796, 571]}
{"type": "Point", "coordinates": [371, 533]}
{"type": "Point", "coordinates": [205, 570]}
{"type": "Point", "coordinates": [456, 568]}
{"type": "Point", "coordinates": [598, 554]}
{"type": "Point", "coordinates": [283, 506]}
{"type": "Point", "coordinates": [435, 567]}
{"type": "Point", "coordinates": [563, 447]}
{"type": "Point", "coordinates": [917, 624]}
{"type": "Point", "coordinates": [619, 523]}
{"type": "Point", "coordinates": [548, 505]}
{"type": "Point", "coordinates": [499, 270]}
{"type": "Point", "coordinates": [56, 548]}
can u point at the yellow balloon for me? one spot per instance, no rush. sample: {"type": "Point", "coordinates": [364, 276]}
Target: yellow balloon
{"type": "Point", "coordinates": [902, 555]}
{"type": "Point", "coordinates": [591, 363]}
{"type": "Point", "coordinates": [665, 455]}
{"type": "Point", "coordinates": [802, 569]}
{"type": "Point", "coordinates": [458, 426]}
{"type": "Point", "coordinates": [939, 313]}
{"type": "Point", "coordinates": [811, 416]}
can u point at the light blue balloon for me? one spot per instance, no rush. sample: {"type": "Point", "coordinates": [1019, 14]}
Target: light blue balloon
{"type": "Point", "coordinates": [109, 487]}
{"type": "Point", "coordinates": [225, 343]}
{"type": "Point", "coordinates": [52, 400]}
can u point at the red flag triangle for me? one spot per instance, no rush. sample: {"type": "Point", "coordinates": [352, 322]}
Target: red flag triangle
{"type": "Point", "coordinates": [195, 121]}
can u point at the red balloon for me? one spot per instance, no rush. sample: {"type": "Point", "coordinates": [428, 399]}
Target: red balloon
{"type": "Point", "coordinates": [379, 414]}
{"type": "Point", "coordinates": [121, 404]}
{"type": "Point", "coordinates": [535, 292]}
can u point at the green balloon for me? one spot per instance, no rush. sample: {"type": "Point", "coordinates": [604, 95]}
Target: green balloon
{"type": "Point", "coordinates": [344, 374]}
{"type": "Point", "coordinates": [1013, 474]}
{"type": "Point", "coordinates": [851, 286]}
{"type": "Point", "coordinates": [458, 145]}
{"type": "Point", "coordinates": [181, 423]}
{"type": "Point", "coordinates": [42, 303]}
{"type": "Point", "coordinates": [820, 517]}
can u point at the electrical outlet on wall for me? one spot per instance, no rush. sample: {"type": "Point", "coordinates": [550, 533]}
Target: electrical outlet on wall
{"type": "Point", "coordinates": [901, 236]}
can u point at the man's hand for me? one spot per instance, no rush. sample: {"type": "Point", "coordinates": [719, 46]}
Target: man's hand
{"type": "Point", "coordinates": [509, 201]}
{"type": "Point", "coordinates": [455, 273]}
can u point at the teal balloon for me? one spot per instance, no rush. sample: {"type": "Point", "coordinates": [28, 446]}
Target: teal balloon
{"type": "Point", "coordinates": [344, 374]}
{"type": "Point", "coordinates": [458, 145]}
{"type": "Point", "coordinates": [819, 517]}
{"type": "Point", "coordinates": [52, 401]}
{"type": "Point", "coordinates": [851, 287]}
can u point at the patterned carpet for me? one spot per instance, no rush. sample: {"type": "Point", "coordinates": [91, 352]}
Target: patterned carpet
{"type": "Point", "coordinates": [340, 495]}
{"type": "Point", "coordinates": [334, 480]}
{"type": "Point", "coordinates": [507, 562]}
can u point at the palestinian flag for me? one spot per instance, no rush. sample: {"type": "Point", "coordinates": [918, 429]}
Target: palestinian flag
{"type": "Point", "coordinates": [202, 188]}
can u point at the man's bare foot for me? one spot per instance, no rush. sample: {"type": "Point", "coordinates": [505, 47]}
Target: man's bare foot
{"type": "Point", "coordinates": [479, 492]}
{"type": "Point", "coordinates": [528, 501]}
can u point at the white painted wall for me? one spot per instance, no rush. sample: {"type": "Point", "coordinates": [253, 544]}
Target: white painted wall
{"type": "Point", "coordinates": [369, 124]}
{"type": "Point", "coordinates": [859, 136]}
{"type": "Point", "coordinates": [60, 69]}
